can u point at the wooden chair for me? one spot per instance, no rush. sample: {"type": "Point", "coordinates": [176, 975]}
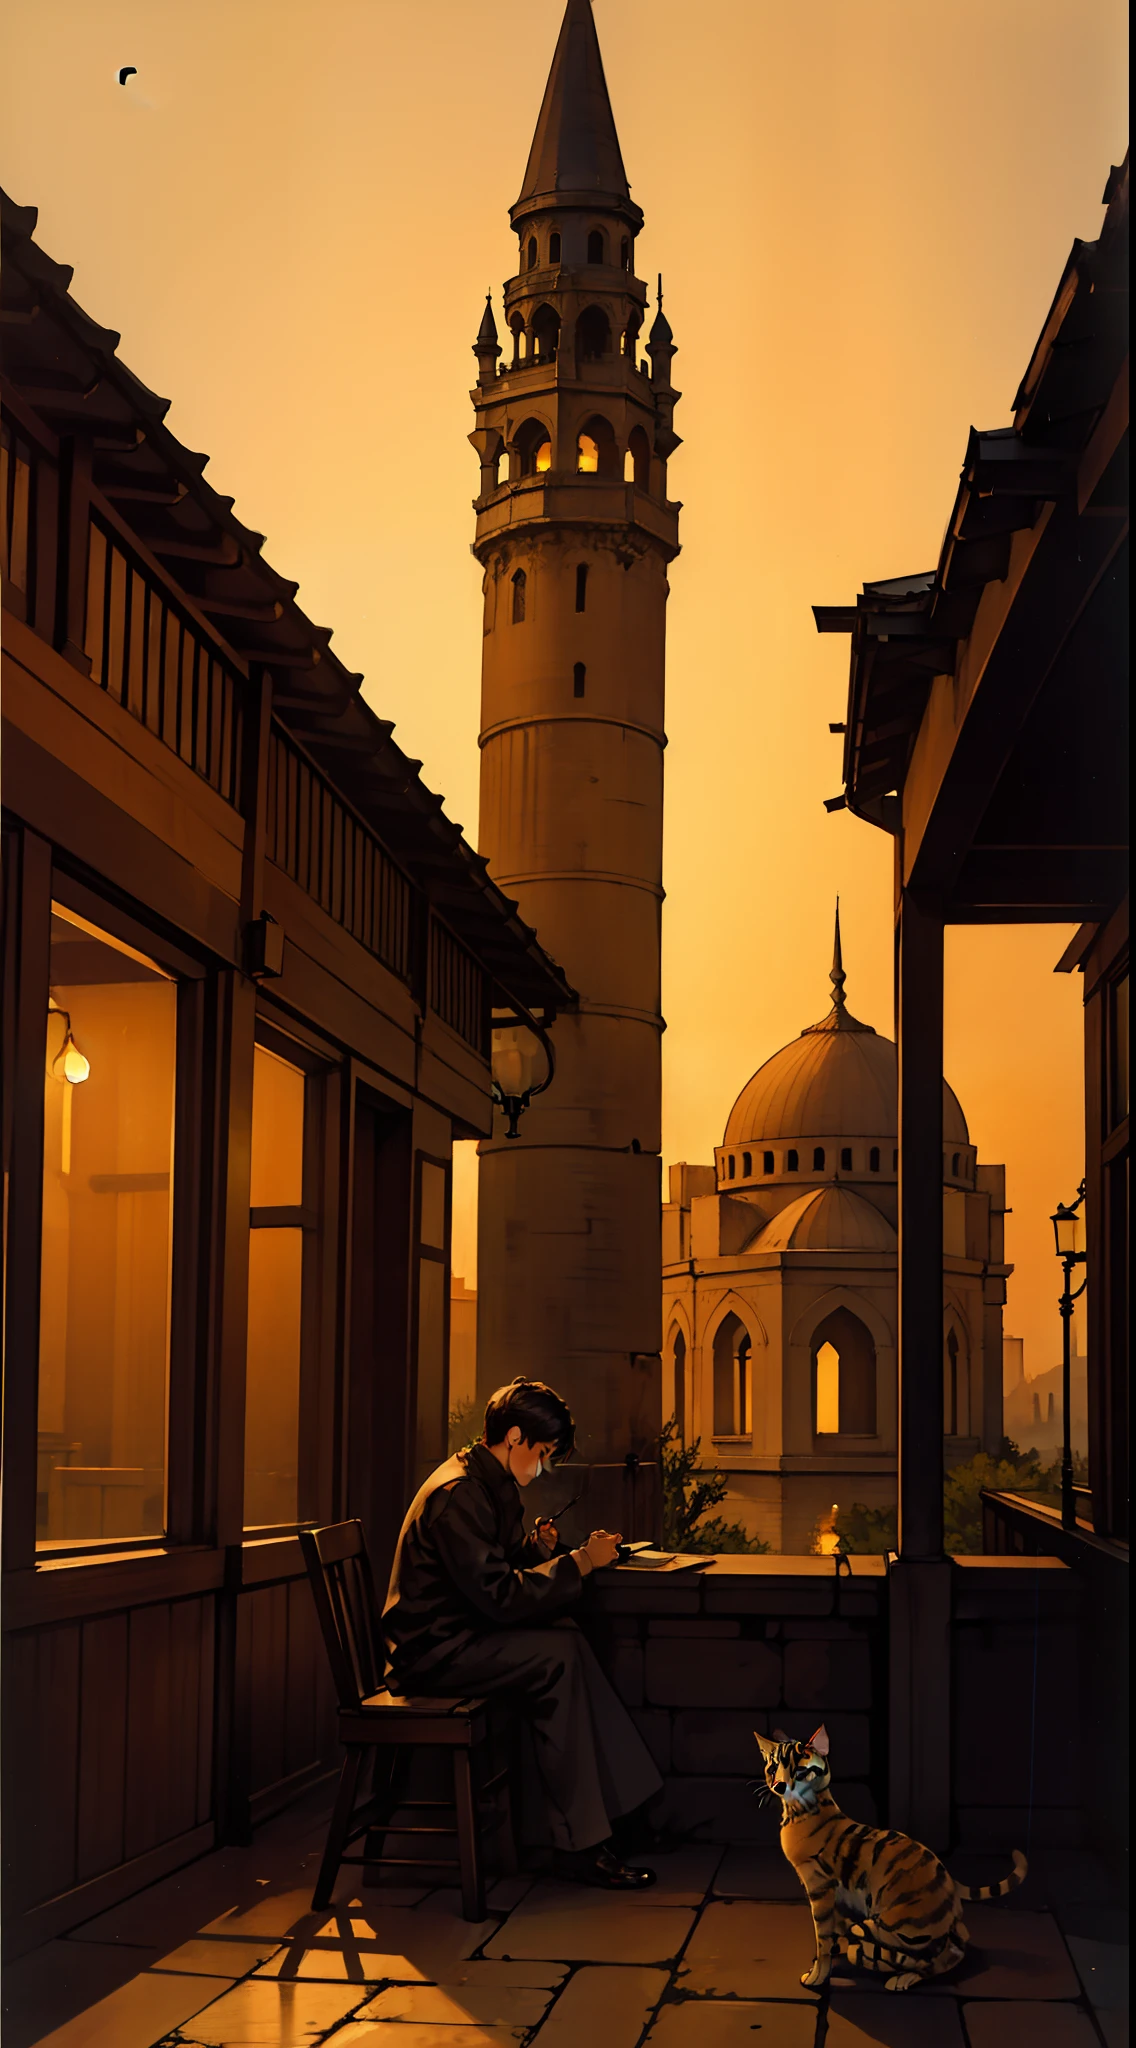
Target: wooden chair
{"type": "Point", "coordinates": [373, 1719]}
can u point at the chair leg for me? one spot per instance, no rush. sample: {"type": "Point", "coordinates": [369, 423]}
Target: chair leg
{"type": "Point", "coordinates": [469, 1861]}
{"type": "Point", "coordinates": [338, 1829]}
{"type": "Point", "coordinates": [389, 1798]}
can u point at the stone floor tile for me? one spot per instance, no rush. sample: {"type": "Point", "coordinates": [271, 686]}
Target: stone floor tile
{"type": "Point", "coordinates": [608, 2008]}
{"type": "Point", "coordinates": [365, 1945]}
{"type": "Point", "coordinates": [720, 2023]}
{"type": "Point", "coordinates": [747, 1949]}
{"type": "Point", "coordinates": [1040, 2025]}
{"type": "Point", "coordinates": [138, 2014]}
{"type": "Point", "coordinates": [572, 1923]}
{"type": "Point", "coordinates": [747, 1872]}
{"type": "Point", "coordinates": [174, 1908]}
{"type": "Point", "coordinates": [216, 1956]}
{"type": "Point", "coordinates": [685, 1875]}
{"type": "Point", "coordinates": [487, 2005]}
{"type": "Point", "coordinates": [53, 1983]}
{"type": "Point", "coordinates": [1103, 1969]}
{"type": "Point", "coordinates": [259, 2014]}
{"type": "Point", "coordinates": [1013, 1955]}
{"type": "Point", "coordinates": [422, 2034]}
{"type": "Point", "coordinates": [889, 2019]}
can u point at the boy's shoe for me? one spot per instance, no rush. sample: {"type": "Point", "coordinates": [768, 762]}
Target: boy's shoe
{"type": "Point", "coordinates": [602, 1868]}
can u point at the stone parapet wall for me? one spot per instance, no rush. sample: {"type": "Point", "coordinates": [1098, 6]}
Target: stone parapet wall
{"type": "Point", "coordinates": [757, 1643]}
{"type": "Point", "coordinates": [750, 1644]}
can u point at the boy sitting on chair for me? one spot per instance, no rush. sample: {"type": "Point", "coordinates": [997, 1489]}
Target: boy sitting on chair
{"type": "Point", "coordinates": [476, 1607]}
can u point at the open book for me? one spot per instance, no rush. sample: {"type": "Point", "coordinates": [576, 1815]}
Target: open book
{"type": "Point", "coordinates": [641, 1558]}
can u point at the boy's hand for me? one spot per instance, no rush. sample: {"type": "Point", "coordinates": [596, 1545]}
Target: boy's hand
{"type": "Point", "coordinates": [547, 1537]}
{"type": "Point", "coordinates": [602, 1547]}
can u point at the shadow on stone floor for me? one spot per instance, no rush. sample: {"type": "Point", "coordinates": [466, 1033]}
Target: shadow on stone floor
{"type": "Point", "coordinates": [228, 1954]}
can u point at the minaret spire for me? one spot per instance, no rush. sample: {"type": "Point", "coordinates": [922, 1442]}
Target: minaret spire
{"type": "Point", "coordinates": [840, 1017]}
{"type": "Point", "coordinates": [575, 147]}
{"type": "Point", "coordinates": [837, 977]}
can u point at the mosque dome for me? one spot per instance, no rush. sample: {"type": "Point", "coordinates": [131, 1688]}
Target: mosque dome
{"type": "Point", "coordinates": [827, 1219]}
{"type": "Point", "coordinates": [828, 1105]}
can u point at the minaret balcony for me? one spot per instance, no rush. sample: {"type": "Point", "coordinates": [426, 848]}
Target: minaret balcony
{"type": "Point", "coordinates": [558, 496]}
{"type": "Point", "coordinates": [594, 373]}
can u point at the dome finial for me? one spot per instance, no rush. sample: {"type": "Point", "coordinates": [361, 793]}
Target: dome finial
{"type": "Point", "coordinates": [837, 976]}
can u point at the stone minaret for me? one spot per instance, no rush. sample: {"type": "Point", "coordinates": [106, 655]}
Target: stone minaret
{"type": "Point", "coordinates": [575, 532]}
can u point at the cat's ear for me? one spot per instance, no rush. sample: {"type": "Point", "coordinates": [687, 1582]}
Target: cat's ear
{"type": "Point", "coordinates": [819, 1741]}
{"type": "Point", "coordinates": [766, 1747]}
{"type": "Point", "coordinates": [779, 1735]}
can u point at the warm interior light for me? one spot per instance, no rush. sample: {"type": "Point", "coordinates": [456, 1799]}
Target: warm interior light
{"type": "Point", "coordinates": [544, 457]}
{"type": "Point", "coordinates": [69, 1063]}
{"type": "Point", "coordinates": [75, 1067]}
{"type": "Point", "coordinates": [828, 1390]}
{"type": "Point", "coordinates": [587, 455]}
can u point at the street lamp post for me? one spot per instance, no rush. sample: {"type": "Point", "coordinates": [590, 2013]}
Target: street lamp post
{"type": "Point", "coordinates": [1068, 1236]}
{"type": "Point", "coordinates": [520, 1045]}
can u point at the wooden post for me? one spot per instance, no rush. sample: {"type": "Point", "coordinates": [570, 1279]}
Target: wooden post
{"type": "Point", "coordinates": [920, 1588]}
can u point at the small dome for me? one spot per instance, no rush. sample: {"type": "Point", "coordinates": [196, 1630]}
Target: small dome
{"type": "Point", "coordinates": [832, 1219]}
{"type": "Point", "coordinates": [839, 1079]}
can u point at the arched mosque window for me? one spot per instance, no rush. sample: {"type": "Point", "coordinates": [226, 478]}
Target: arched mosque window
{"type": "Point", "coordinates": [844, 1376]}
{"type": "Point", "coordinates": [731, 1378]}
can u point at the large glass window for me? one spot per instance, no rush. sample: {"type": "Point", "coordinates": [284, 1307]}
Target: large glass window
{"type": "Point", "coordinates": [111, 1037]}
{"type": "Point", "coordinates": [279, 1220]}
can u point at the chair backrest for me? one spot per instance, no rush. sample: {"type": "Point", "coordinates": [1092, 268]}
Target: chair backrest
{"type": "Point", "coordinates": [344, 1590]}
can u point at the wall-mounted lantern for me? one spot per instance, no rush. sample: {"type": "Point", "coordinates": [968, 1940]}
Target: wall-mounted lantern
{"type": "Point", "coordinates": [522, 1064]}
{"type": "Point", "coordinates": [69, 1063]}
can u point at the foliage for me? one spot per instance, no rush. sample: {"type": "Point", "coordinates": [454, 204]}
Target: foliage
{"type": "Point", "coordinates": [687, 1495]}
{"type": "Point", "coordinates": [465, 1426]}
{"type": "Point", "coordinates": [864, 1529]}
{"type": "Point", "coordinates": [867, 1531]}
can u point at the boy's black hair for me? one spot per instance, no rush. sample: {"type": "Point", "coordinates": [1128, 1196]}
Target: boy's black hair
{"type": "Point", "coordinates": [539, 1413]}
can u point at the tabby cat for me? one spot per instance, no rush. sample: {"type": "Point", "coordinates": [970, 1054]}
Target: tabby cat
{"type": "Point", "coordinates": [880, 1898]}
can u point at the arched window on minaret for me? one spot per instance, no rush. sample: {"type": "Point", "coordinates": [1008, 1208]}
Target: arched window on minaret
{"type": "Point", "coordinates": [593, 335]}
{"type": "Point", "coordinates": [520, 589]}
{"type": "Point", "coordinates": [579, 679]}
{"type": "Point", "coordinates": [532, 253]}
{"type": "Point", "coordinates": [534, 447]}
{"type": "Point", "coordinates": [517, 330]}
{"type": "Point", "coordinates": [554, 248]}
{"type": "Point", "coordinates": [678, 1383]}
{"type": "Point", "coordinates": [629, 339]}
{"type": "Point", "coordinates": [731, 1378]}
{"type": "Point", "coordinates": [597, 450]}
{"type": "Point", "coordinates": [638, 460]}
{"type": "Point", "coordinates": [582, 587]}
{"type": "Point", "coordinates": [597, 249]}
{"type": "Point", "coordinates": [545, 334]}
{"type": "Point", "coordinates": [625, 253]}
{"type": "Point", "coordinates": [844, 1376]}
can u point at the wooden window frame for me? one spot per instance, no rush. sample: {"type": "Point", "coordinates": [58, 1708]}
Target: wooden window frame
{"type": "Point", "coordinates": [316, 1216]}
{"type": "Point", "coordinates": [35, 879]}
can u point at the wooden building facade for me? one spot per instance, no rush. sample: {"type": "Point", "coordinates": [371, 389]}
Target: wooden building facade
{"type": "Point", "coordinates": [249, 976]}
{"type": "Point", "coordinates": [987, 731]}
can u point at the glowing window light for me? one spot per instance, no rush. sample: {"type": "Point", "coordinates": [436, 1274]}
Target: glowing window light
{"type": "Point", "coordinates": [69, 1063]}
{"type": "Point", "coordinates": [828, 1390]}
{"type": "Point", "coordinates": [587, 455]}
{"type": "Point", "coordinates": [544, 457]}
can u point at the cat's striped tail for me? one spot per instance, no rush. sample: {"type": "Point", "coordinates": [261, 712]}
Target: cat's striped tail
{"type": "Point", "coordinates": [996, 1891]}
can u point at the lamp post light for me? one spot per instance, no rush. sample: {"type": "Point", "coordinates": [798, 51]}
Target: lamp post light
{"type": "Point", "coordinates": [520, 1048]}
{"type": "Point", "coordinates": [1068, 1238]}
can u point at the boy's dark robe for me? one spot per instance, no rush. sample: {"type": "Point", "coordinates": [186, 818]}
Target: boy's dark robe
{"type": "Point", "coordinates": [474, 1606]}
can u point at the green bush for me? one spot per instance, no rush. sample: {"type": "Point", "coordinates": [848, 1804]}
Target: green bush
{"type": "Point", "coordinates": [465, 1426]}
{"type": "Point", "coordinates": [867, 1531]}
{"type": "Point", "coordinates": [875, 1530]}
{"type": "Point", "coordinates": [687, 1495]}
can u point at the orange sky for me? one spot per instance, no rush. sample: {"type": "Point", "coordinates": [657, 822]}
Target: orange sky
{"type": "Point", "coordinates": [292, 214]}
